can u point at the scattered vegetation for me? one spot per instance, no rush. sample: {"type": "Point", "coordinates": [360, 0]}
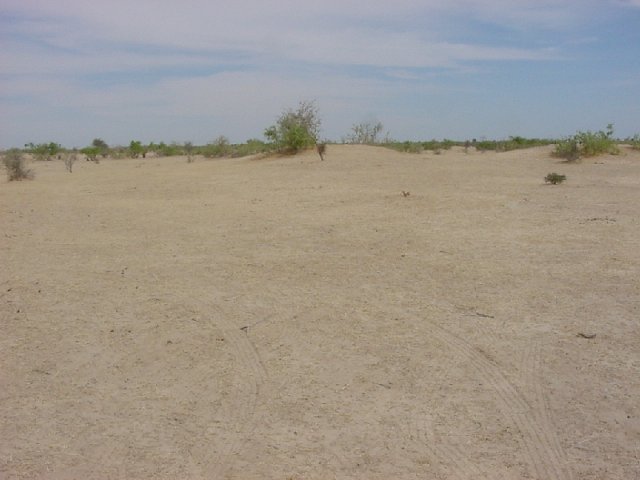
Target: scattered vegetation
{"type": "Point", "coordinates": [165, 150]}
{"type": "Point", "coordinates": [250, 147]}
{"type": "Point", "coordinates": [13, 161]}
{"type": "Point", "coordinates": [587, 144]}
{"type": "Point", "coordinates": [220, 147]}
{"type": "Point", "coordinates": [43, 151]}
{"type": "Point", "coordinates": [366, 133]}
{"type": "Point", "coordinates": [512, 143]}
{"type": "Point", "coordinates": [635, 141]}
{"type": "Point", "coordinates": [91, 153]}
{"type": "Point", "coordinates": [295, 130]}
{"type": "Point", "coordinates": [418, 147]}
{"type": "Point", "coordinates": [136, 149]}
{"type": "Point", "coordinates": [101, 145]}
{"type": "Point", "coordinates": [554, 178]}
{"type": "Point", "coordinates": [188, 149]}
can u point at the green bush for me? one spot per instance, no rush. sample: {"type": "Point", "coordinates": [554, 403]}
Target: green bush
{"type": "Point", "coordinates": [251, 147]}
{"type": "Point", "coordinates": [295, 130]}
{"type": "Point", "coordinates": [136, 149]}
{"type": "Point", "coordinates": [587, 144]}
{"type": "Point", "coordinates": [44, 151]}
{"type": "Point", "coordinates": [102, 146]}
{"type": "Point", "coordinates": [14, 163]}
{"type": "Point", "coordinates": [220, 147]}
{"type": "Point", "coordinates": [635, 141]}
{"type": "Point", "coordinates": [554, 178]}
{"type": "Point", "coordinates": [418, 147]}
{"type": "Point", "coordinates": [513, 143]}
{"type": "Point", "coordinates": [91, 153]}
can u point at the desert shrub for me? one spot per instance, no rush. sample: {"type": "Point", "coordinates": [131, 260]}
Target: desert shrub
{"type": "Point", "coordinates": [295, 130]}
{"type": "Point", "coordinates": [517, 142]}
{"type": "Point", "coordinates": [91, 154]}
{"type": "Point", "coordinates": [164, 150]}
{"type": "Point", "coordinates": [554, 178]}
{"type": "Point", "coordinates": [188, 149]}
{"type": "Point", "coordinates": [417, 147]}
{"type": "Point", "coordinates": [635, 141]}
{"type": "Point", "coordinates": [484, 145]}
{"type": "Point", "coordinates": [250, 147]}
{"type": "Point", "coordinates": [587, 144]}
{"type": "Point", "coordinates": [102, 146]}
{"type": "Point", "coordinates": [13, 161]}
{"type": "Point", "coordinates": [136, 149]}
{"type": "Point", "coordinates": [367, 133]}
{"type": "Point", "coordinates": [69, 159]}
{"type": "Point", "coordinates": [43, 151]}
{"type": "Point", "coordinates": [220, 147]}
{"type": "Point", "coordinates": [512, 143]}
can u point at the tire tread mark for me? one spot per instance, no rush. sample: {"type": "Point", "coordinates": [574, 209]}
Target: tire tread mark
{"type": "Point", "coordinates": [543, 409]}
{"type": "Point", "coordinates": [246, 400]}
{"type": "Point", "coordinates": [543, 457]}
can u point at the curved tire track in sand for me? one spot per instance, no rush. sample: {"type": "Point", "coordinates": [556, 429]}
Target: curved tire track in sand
{"type": "Point", "coordinates": [245, 398]}
{"type": "Point", "coordinates": [538, 439]}
{"type": "Point", "coordinates": [531, 368]}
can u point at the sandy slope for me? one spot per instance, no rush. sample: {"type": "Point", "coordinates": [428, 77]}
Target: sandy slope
{"type": "Point", "coordinates": [288, 318]}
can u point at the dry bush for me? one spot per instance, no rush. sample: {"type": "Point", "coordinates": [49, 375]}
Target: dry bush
{"type": "Point", "coordinates": [14, 163]}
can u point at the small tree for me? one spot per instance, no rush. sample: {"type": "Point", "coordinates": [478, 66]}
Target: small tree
{"type": "Point", "coordinates": [14, 163]}
{"type": "Point", "coordinates": [44, 151]}
{"type": "Point", "coordinates": [102, 146]}
{"type": "Point", "coordinates": [188, 149]}
{"type": "Point", "coordinates": [136, 149]}
{"type": "Point", "coordinates": [295, 130]}
{"type": "Point", "coordinates": [91, 153]}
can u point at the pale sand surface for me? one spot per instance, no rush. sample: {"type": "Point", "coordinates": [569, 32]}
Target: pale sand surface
{"type": "Point", "coordinates": [287, 318]}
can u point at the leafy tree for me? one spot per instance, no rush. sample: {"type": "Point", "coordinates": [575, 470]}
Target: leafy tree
{"type": "Point", "coordinates": [188, 149]}
{"type": "Point", "coordinates": [44, 151]}
{"type": "Point", "coordinates": [295, 130]}
{"type": "Point", "coordinates": [91, 153]}
{"type": "Point", "coordinates": [136, 149]}
{"type": "Point", "coordinates": [101, 145]}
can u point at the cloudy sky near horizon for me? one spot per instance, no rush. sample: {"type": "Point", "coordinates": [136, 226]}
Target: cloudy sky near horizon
{"type": "Point", "coordinates": [191, 70]}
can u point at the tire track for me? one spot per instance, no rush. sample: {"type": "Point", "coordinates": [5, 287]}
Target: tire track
{"type": "Point", "coordinates": [246, 397]}
{"type": "Point", "coordinates": [537, 438]}
{"type": "Point", "coordinates": [532, 369]}
{"type": "Point", "coordinates": [463, 468]}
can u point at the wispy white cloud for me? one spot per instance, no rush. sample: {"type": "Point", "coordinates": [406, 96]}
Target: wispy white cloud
{"type": "Point", "coordinates": [236, 64]}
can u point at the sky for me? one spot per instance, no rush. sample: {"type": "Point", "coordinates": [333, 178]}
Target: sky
{"type": "Point", "coordinates": [192, 70]}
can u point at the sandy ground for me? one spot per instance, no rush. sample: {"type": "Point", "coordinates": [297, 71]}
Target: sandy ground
{"type": "Point", "coordinates": [287, 318]}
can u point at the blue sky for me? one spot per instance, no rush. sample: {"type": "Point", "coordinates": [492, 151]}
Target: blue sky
{"type": "Point", "coordinates": [191, 70]}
